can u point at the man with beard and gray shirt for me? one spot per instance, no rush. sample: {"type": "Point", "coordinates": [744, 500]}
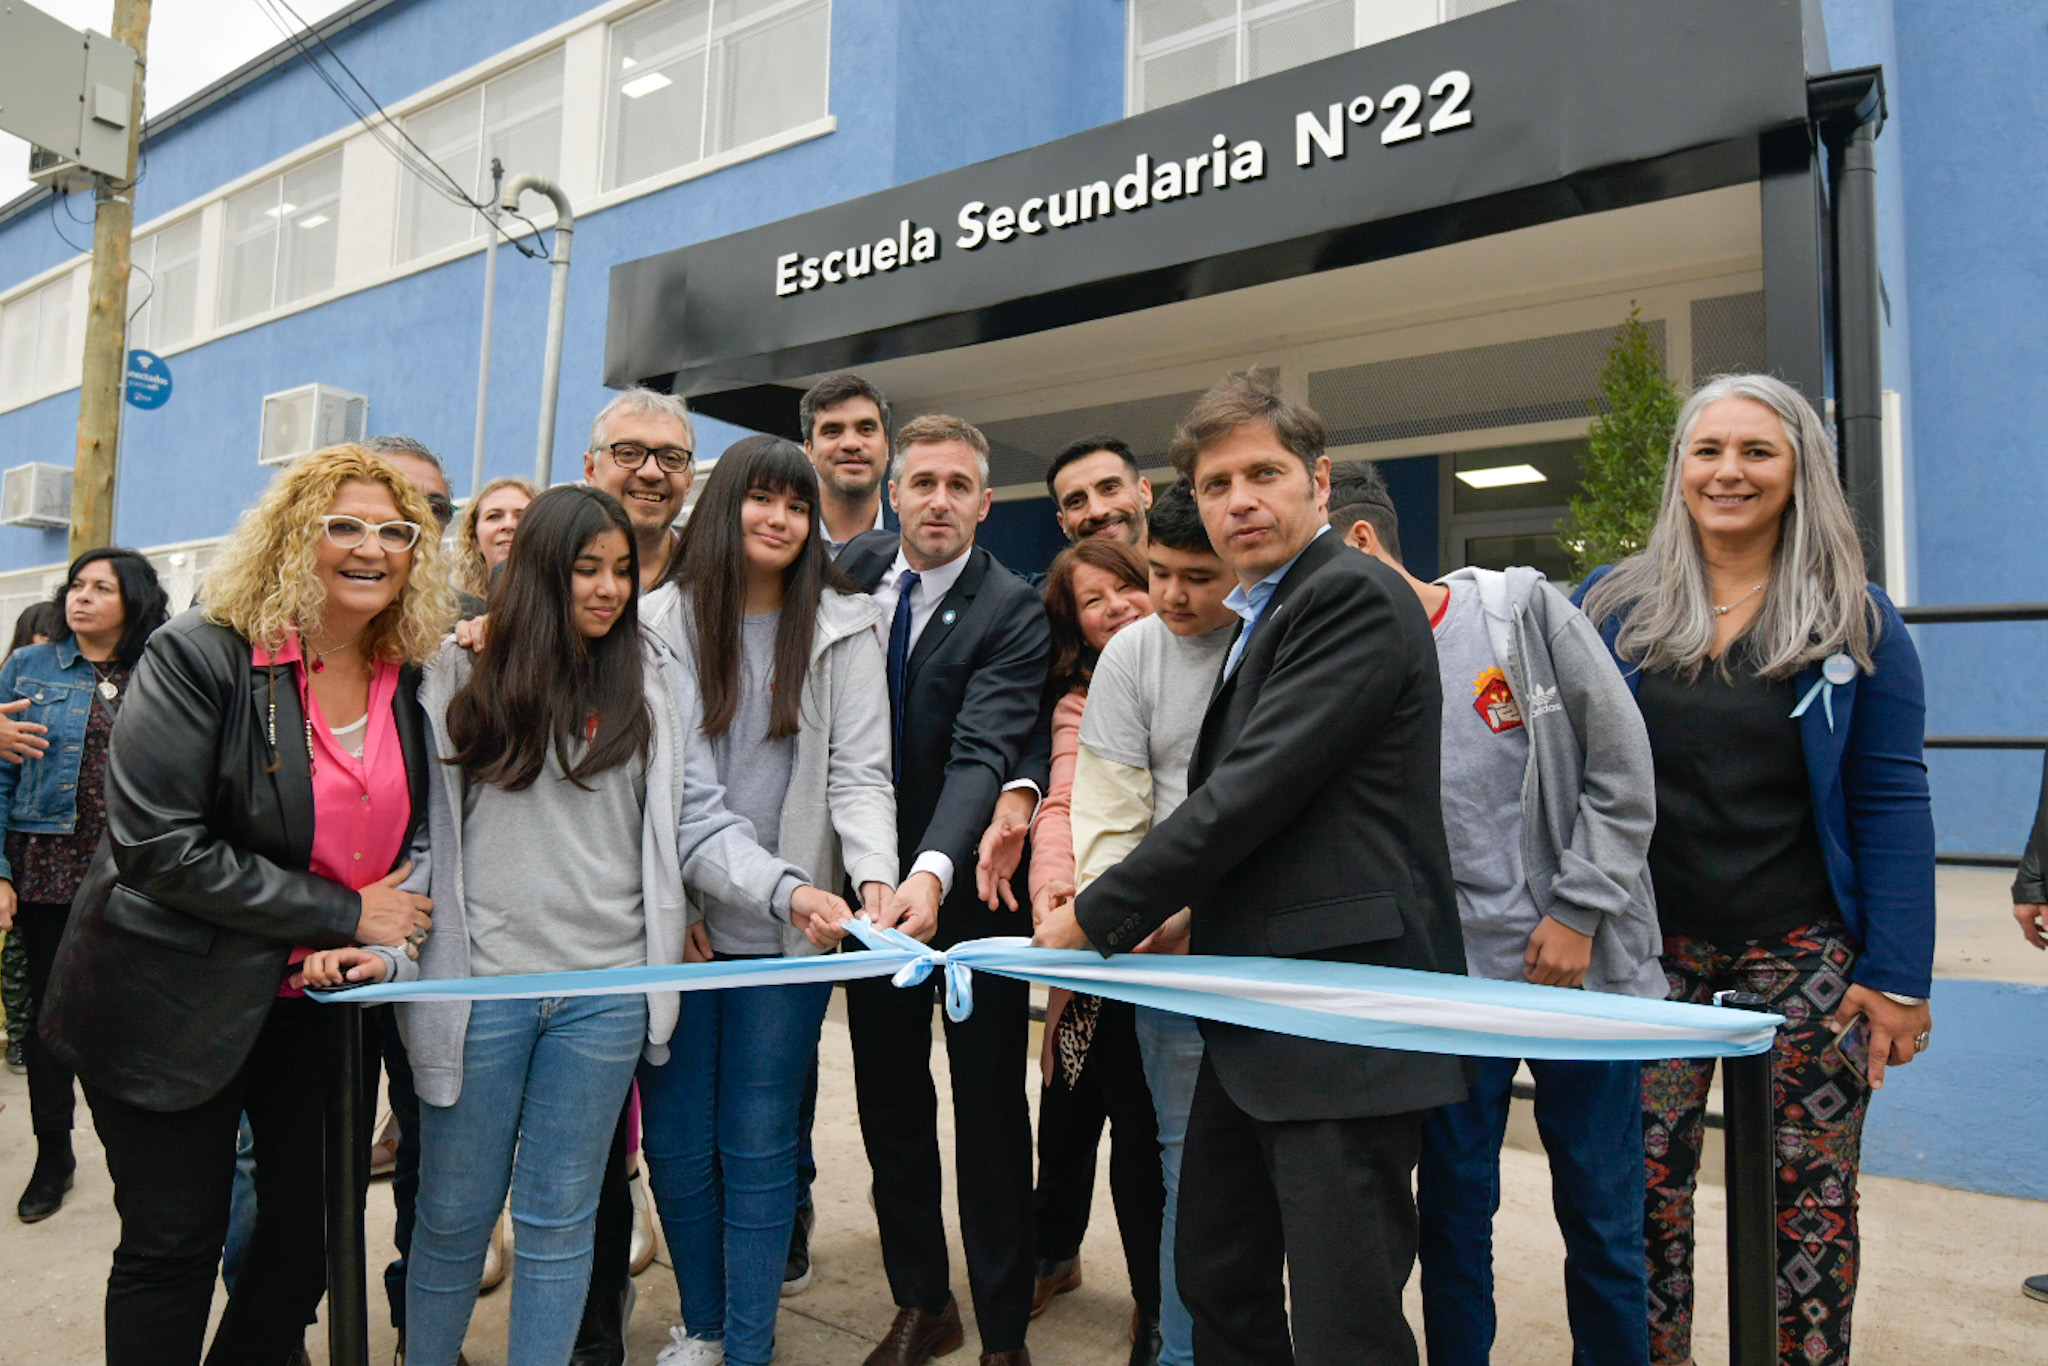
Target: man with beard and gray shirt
{"type": "Point", "coordinates": [1549, 800]}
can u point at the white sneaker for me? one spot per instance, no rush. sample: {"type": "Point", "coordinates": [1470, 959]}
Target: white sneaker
{"type": "Point", "coordinates": [684, 1350]}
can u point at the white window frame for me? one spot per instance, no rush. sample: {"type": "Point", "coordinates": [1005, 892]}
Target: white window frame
{"type": "Point", "coordinates": [1366, 28]}
{"type": "Point", "coordinates": [60, 294]}
{"type": "Point", "coordinates": [715, 35]}
{"type": "Point", "coordinates": [285, 216]}
{"type": "Point", "coordinates": [143, 315]}
{"type": "Point", "coordinates": [410, 188]}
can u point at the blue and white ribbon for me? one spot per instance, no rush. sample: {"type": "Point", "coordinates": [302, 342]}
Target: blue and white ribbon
{"type": "Point", "coordinates": [1348, 1003]}
{"type": "Point", "coordinates": [1836, 671]}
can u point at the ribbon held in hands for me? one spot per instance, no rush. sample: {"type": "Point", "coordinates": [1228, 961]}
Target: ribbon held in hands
{"type": "Point", "coordinates": [1348, 1003]}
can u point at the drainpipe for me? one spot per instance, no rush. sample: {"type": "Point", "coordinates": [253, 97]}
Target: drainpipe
{"type": "Point", "coordinates": [483, 364]}
{"type": "Point", "coordinates": [558, 314]}
{"type": "Point", "coordinates": [1848, 107]}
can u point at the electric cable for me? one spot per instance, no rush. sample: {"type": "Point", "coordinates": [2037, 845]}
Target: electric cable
{"type": "Point", "coordinates": [410, 155]}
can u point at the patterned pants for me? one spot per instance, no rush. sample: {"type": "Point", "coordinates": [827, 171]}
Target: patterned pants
{"type": "Point", "coordinates": [15, 998]}
{"type": "Point", "coordinates": [1820, 1100]}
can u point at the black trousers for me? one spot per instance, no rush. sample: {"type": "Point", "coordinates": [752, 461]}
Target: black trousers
{"type": "Point", "coordinates": [611, 1249]}
{"type": "Point", "coordinates": [172, 1175]}
{"type": "Point", "coordinates": [891, 1029]}
{"type": "Point", "coordinates": [1112, 1088]}
{"type": "Point", "coordinates": [1330, 1200]}
{"type": "Point", "coordinates": [41, 928]}
{"type": "Point", "coordinates": [382, 1043]}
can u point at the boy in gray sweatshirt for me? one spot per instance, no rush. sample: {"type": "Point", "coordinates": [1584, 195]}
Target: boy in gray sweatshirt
{"type": "Point", "coordinates": [1549, 801]}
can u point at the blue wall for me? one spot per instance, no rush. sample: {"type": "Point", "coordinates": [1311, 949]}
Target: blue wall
{"type": "Point", "coordinates": [917, 86]}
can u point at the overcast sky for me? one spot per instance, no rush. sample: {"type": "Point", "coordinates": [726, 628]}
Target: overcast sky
{"type": "Point", "coordinates": [192, 43]}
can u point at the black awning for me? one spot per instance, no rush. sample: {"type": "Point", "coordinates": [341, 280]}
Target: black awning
{"type": "Point", "coordinates": [1523, 114]}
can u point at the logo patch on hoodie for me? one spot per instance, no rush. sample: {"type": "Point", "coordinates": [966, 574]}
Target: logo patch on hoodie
{"type": "Point", "coordinates": [1494, 702]}
{"type": "Point", "coordinates": [1543, 701]}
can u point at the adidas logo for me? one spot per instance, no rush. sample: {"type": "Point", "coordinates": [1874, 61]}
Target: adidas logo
{"type": "Point", "coordinates": [1543, 701]}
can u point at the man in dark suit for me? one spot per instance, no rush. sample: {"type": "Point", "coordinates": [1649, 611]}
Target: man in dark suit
{"type": "Point", "coordinates": [967, 654]}
{"type": "Point", "coordinates": [1312, 829]}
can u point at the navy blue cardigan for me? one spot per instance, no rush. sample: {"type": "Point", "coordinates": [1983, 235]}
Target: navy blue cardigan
{"type": "Point", "coordinates": [1870, 801]}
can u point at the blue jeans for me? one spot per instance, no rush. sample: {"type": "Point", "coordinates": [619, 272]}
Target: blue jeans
{"type": "Point", "coordinates": [241, 1207]}
{"type": "Point", "coordinates": [719, 1132]}
{"type": "Point", "coordinates": [1172, 1048]}
{"type": "Point", "coordinates": [1589, 1115]}
{"type": "Point", "coordinates": [543, 1080]}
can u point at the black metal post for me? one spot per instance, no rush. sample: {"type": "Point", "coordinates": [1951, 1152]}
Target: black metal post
{"type": "Point", "coordinates": [1849, 108]}
{"type": "Point", "coordinates": [348, 1295]}
{"type": "Point", "coordinates": [1748, 1121]}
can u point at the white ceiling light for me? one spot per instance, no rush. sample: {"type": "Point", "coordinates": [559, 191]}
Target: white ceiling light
{"type": "Point", "coordinates": [645, 85]}
{"type": "Point", "coordinates": [1500, 476]}
{"type": "Point", "coordinates": [625, 64]}
{"type": "Point", "coordinates": [281, 210]}
{"type": "Point", "coordinates": [315, 221]}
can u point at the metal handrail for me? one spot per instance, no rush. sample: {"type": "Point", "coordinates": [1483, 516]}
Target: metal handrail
{"type": "Point", "coordinates": [1974, 613]}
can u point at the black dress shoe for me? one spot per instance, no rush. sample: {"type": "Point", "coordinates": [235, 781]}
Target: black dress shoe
{"type": "Point", "coordinates": [1145, 1343]}
{"type": "Point", "coordinates": [601, 1340]}
{"type": "Point", "coordinates": [44, 1194]}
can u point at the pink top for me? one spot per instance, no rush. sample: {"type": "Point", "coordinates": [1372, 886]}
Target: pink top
{"type": "Point", "coordinates": [361, 808]}
{"type": "Point", "coordinates": [1052, 834]}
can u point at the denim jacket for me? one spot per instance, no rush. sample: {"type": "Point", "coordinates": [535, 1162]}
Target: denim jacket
{"type": "Point", "coordinates": [40, 795]}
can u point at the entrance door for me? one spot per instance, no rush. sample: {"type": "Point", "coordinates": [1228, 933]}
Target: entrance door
{"type": "Point", "coordinates": [1505, 503]}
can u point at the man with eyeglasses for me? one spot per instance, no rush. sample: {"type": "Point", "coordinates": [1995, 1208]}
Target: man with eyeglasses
{"type": "Point", "coordinates": [641, 452]}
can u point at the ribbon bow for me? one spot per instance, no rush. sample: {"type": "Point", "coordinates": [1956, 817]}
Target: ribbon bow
{"type": "Point", "coordinates": [959, 977]}
{"type": "Point", "coordinates": [1836, 670]}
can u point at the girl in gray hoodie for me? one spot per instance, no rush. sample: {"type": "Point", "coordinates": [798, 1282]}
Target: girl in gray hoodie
{"type": "Point", "coordinates": [784, 684]}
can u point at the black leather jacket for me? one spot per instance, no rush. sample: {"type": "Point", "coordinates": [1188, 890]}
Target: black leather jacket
{"type": "Point", "coordinates": [182, 931]}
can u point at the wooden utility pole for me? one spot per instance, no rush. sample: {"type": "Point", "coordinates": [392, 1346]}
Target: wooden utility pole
{"type": "Point", "coordinates": [106, 318]}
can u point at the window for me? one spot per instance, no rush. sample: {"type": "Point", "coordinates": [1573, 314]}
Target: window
{"type": "Point", "coordinates": [1184, 48]}
{"type": "Point", "coordinates": [692, 78]}
{"type": "Point", "coordinates": [35, 342]}
{"type": "Point", "coordinates": [164, 290]}
{"type": "Point", "coordinates": [516, 118]}
{"type": "Point", "coordinates": [282, 237]}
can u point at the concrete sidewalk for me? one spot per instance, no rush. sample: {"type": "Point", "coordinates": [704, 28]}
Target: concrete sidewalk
{"type": "Point", "coordinates": [1940, 1278]}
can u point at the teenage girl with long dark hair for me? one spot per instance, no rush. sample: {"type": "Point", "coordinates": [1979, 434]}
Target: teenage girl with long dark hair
{"type": "Point", "coordinates": [785, 683]}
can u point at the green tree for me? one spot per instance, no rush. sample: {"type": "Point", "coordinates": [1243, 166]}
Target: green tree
{"type": "Point", "coordinates": [1627, 444]}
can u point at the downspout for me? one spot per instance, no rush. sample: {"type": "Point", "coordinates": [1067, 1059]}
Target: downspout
{"type": "Point", "coordinates": [558, 314]}
{"type": "Point", "coordinates": [1848, 108]}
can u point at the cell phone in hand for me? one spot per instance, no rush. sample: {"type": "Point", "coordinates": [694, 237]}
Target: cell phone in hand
{"type": "Point", "coordinates": [1853, 1044]}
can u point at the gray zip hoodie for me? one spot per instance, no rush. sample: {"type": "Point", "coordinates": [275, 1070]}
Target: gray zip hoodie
{"type": "Point", "coordinates": [686, 832]}
{"type": "Point", "coordinates": [840, 810]}
{"type": "Point", "coordinates": [1589, 795]}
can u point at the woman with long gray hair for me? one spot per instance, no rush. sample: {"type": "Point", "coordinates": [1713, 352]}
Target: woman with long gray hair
{"type": "Point", "coordinates": [1794, 851]}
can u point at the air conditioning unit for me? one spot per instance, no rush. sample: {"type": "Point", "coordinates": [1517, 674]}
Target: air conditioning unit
{"type": "Point", "coordinates": [36, 495]}
{"type": "Point", "coordinates": [57, 171]}
{"type": "Point", "coordinates": [311, 417]}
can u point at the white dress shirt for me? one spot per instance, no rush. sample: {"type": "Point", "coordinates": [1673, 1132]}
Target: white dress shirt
{"type": "Point", "coordinates": [932, 587]}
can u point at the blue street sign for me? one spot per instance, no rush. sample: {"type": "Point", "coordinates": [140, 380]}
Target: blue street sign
{"type": "Point", "coordinates": [149, 380]}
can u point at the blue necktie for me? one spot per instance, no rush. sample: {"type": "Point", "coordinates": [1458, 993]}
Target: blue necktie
{"type": "Point", "coordinates": [899, 661]}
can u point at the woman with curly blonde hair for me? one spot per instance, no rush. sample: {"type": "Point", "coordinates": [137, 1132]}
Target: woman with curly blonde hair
{"type": "Point", "coordinates": [483, 538]}
{"type": "Point", "coordinates": [266, 778]}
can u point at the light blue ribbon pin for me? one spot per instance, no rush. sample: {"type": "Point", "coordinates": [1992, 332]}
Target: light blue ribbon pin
{"type": "Point", "coordinates": [1837, 670]}
{"type": "Point", "coordinates": [959, 977]}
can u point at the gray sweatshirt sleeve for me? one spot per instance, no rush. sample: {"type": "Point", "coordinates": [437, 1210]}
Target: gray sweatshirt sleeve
{"type": "Point", "coordinates": [860, 792]}
{"type": "Point", "coordinates": [720, 856]}
{"type": "Point", "coordinates": [1597, 876]}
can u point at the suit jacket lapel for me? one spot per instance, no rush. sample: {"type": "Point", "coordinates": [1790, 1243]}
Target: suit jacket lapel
{"type": "Point", "coordinates": [949, 611]}
{"type": "Point", "coordinates": [1223, 698]}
